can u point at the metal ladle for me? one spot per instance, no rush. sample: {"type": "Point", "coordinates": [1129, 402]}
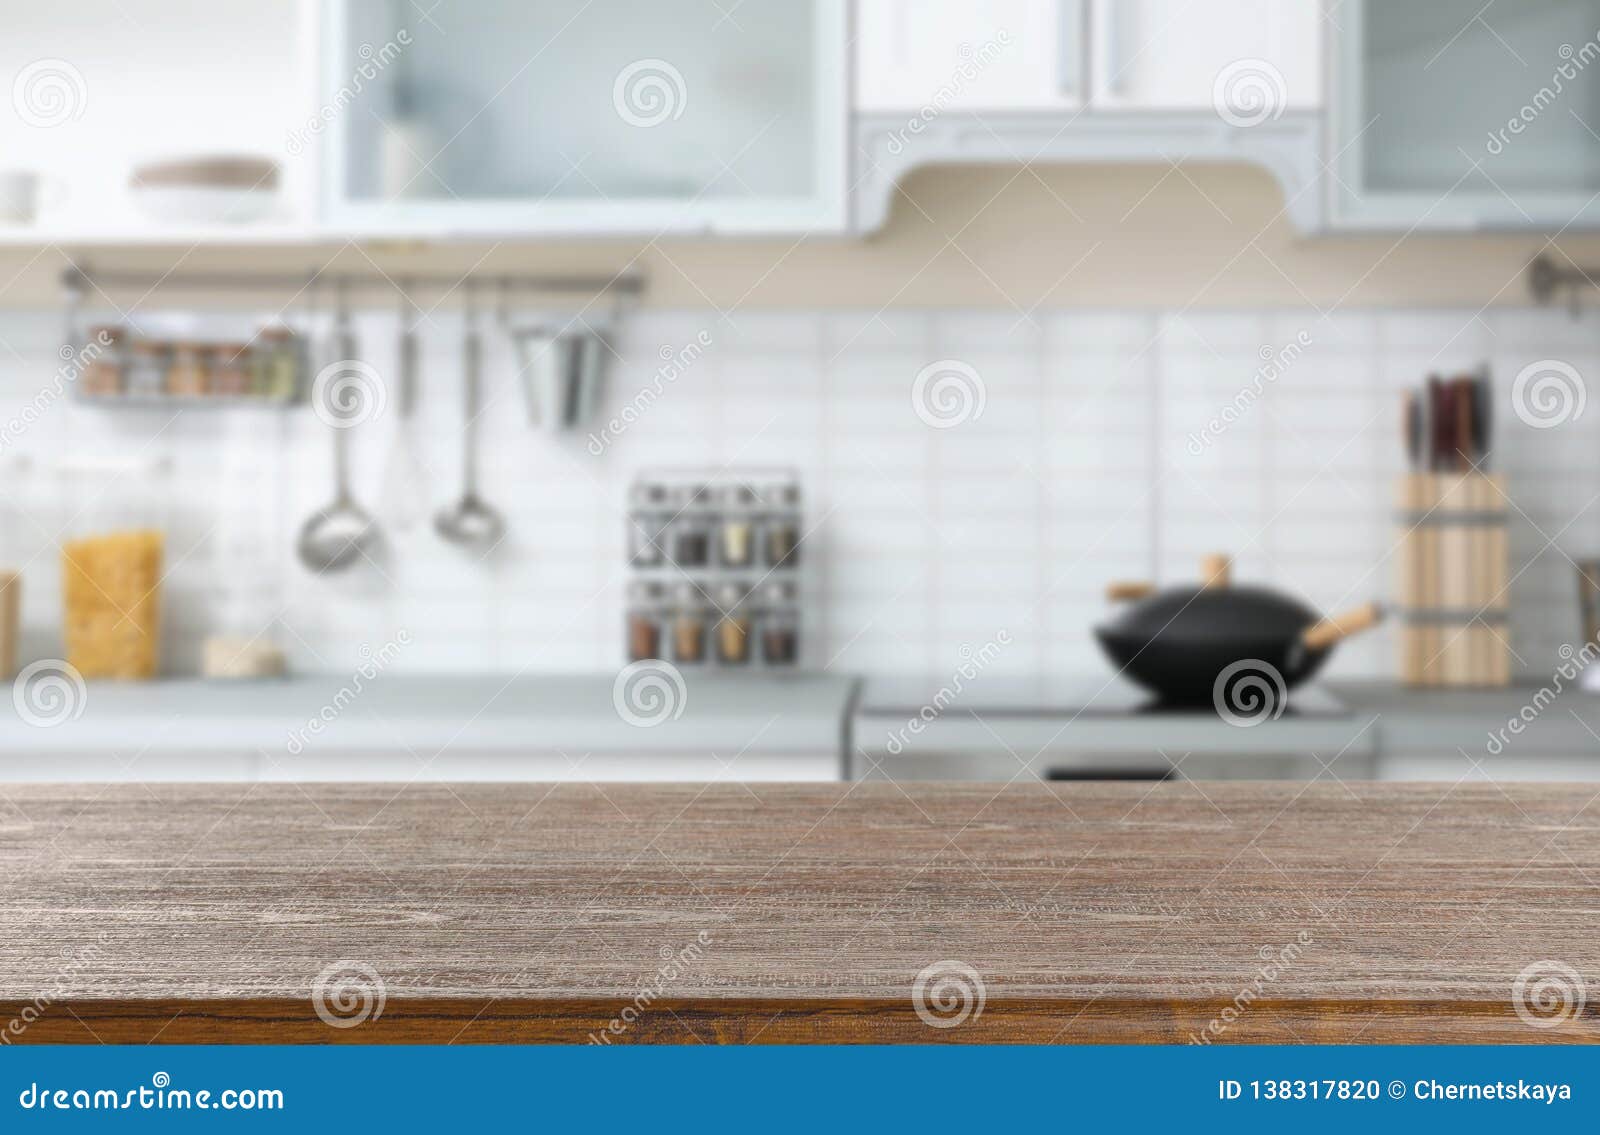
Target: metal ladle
{"type": "Point", "coordinates": [335, 536]}
{"type": "Point", "coordinates": [470, 522]}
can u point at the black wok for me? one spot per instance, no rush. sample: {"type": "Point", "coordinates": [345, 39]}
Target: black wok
{"type": "Point", "coordinates": [1193, 645]}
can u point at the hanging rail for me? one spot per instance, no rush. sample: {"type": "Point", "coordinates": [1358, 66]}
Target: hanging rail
{"type": "Point", "coordinates": [80, 279]}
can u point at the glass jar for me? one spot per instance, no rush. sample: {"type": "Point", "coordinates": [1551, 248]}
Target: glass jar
{"type": "Point", "coordinates": [691, 540]}
{"type": "Point", "coordinates": [186, 373]}
{"type": "Point", "coordinates": [647, 521]}
{"type": "Point", "coordinates": [689, 620]}
{"type": "Point", "coordinates": [780, 626]}
{"type": "Point", "coordinates": [782, 529]}
{"type": "Point", "coordinates": [737, 543]}
{"type": "Point", "coordinates": [105, 358]}
{"type": "Point", "coordinates": [644, 621]}
{"type": "Point", "coordinates": [112, 555]}
{"type": "Point", "coordinates": [230, 370]}
{"type": "Point", "coordinates": [733, 627]}
{"type": "Point", "coordinates": [275, 364]}
{"type": "Point", "coordinates": [146, 375]}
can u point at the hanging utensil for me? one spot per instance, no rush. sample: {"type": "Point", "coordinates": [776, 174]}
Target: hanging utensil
{"type": "Point", "coordinates": [563, 373]}
{"type": "Point", "coordinates": [470, 522]}
{"type": "Point", "coordinates": [335, 536]}
{"type": "Point", "coordinates": [405, 484]}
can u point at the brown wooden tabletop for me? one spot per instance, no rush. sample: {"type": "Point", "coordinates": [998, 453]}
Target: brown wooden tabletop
{"type": "Point", "coordinates": [1221, 912]}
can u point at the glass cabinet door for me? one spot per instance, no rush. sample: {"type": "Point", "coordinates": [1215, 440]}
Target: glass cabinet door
{"type": "Point", "coordinates": [1451, 113]}
{"type": "Point", "coordinates": [584, 115]}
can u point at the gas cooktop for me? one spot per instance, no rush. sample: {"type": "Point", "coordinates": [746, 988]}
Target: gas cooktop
{"type": "Point", "coordinates": [1020, 696]}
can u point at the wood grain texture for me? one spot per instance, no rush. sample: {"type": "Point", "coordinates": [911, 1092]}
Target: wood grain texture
{"type": "Point", "coordinates": [796, 913]}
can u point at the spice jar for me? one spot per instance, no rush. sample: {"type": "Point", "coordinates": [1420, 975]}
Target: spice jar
{"type": "Point", "coordinates": [733, 628]}
{"type": "Point", "coordinates": [689, 625]}
{"type": "Point", "coordinates": [146, 374]}
{"type": "Point", "coordinates": [230, 370]}
{"type": "Point", "coordinates": [737, 542]}
{"type": "Point", "coordinates": [644, 621]}
{"type": "Point", "coordinates": [105, 357]}
{"type": "Point", "coordinates": [647, 521]}
{"type": "Point", "coordinates": [275, 364]}
{"type": "Point", "coordinates": [783, 527]}
{"type": "Point", "coordinates": [186, 374]}
{"type": "Point", "coordinates": [691, 528]}
{"type": "Point", "coordinates": [780, 626]}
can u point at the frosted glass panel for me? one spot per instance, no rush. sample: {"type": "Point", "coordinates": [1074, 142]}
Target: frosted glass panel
{"type": "Point", "coordinates": [1443, 80]}
{"type": "Point", "coordinates": [565, 100]}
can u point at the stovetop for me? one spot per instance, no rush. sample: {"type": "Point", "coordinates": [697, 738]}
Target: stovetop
{"type": "Point", "coordinates": [991, 696]}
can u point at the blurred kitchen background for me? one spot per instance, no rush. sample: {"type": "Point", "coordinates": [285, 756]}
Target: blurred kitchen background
{"type": "Point", "coordinates": [833, 358]}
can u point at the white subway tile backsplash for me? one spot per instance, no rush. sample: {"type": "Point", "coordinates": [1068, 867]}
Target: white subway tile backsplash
{"type": "Point", "coordinates": [1094, 459]}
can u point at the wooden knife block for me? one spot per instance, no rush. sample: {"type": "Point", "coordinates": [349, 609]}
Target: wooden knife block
{"type": "Point", "coordinates": [1452, 590]}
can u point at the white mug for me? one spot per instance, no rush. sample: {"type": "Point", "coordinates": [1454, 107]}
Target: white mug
{"type": "Point", "coordinates": [23, 193]}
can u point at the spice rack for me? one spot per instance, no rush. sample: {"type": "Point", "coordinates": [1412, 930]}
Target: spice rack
{"type": "Point", "coordinates": [119, 366]}
{"type": "Point", "coordinates": [716, 564]}
{"type": "Point", "coordinates": [1452, 588]}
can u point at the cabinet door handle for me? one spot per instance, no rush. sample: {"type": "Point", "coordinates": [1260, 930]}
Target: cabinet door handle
{"type": "Point", "coordinates": [1072, 56]}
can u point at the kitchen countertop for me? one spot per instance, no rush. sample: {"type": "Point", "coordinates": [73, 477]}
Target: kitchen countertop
{"type": "Point", "coordinates": [796, 913]}
{"type": "Point", "coordinates": [801, 713]}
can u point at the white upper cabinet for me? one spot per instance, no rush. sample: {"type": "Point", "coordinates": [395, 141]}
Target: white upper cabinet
{"type": "Point", "coordinates": [1180, 55]}
{"type": "Point", "coordinates": [1020, 55]}
{"type": "Point", "coordinates": [584, 116]}
{"type": "Point", "coordinates": [984, 55]}
{"type": "Point", "coordinates": [1451, 115]}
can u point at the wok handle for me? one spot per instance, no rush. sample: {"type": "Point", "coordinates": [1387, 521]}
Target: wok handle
{"type": "Point", "coordinates": [1128, 590]}
{"type": "Point", "coordinates": [1320, 636]}
{"type": "Point", "coordinates": [1216, 570]}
